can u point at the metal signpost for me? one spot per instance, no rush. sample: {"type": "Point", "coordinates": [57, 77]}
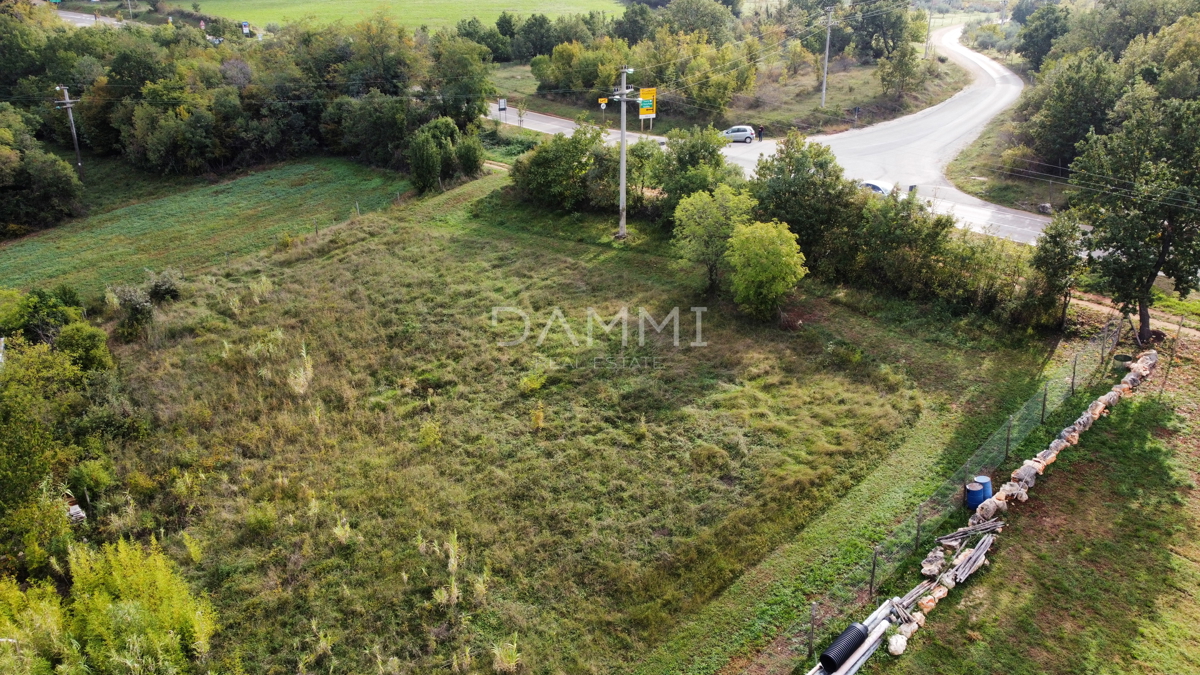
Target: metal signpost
{"type": "Point", "coordinates": [245, 28]}
{"type": "Point", "coordinates": [648, 105]}
{"type": "Point", "coordinates": [503, 109]}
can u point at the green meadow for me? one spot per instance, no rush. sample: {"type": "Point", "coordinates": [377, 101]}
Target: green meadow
{"type": "Point", "coordinates": [413, 13]}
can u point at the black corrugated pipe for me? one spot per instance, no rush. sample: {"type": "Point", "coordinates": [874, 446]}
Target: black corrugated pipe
{"type": "Point", "coordinates": [836, 654]}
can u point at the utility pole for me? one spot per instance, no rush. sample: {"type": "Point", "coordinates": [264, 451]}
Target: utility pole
{"type": "Point", "coordinates": [622, 96]}
{"type": "Point", "coordinates": [828, 27]}
{"type": "Point", "coordinates": [68, 104]}
{"type": "Point", "coordinates": [929, 31]}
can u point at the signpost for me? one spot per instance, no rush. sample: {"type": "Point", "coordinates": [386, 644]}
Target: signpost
{"type": "Point", "coordinates": [502, 108]}
{"type": "Point", "coordinates": [245, 28]}
{"type": "Point", "coordinates": [603, 105]}
{"type": "Point", "coordinates": [648, 105]}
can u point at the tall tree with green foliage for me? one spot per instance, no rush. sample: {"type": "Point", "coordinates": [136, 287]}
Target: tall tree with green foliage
{"type": "Point", "coordinates": [765, 265]}
{"type": "Point", "coordinates": [460, 81]}
{"type": "Point", "coordinates": [691, 162]}
{"type": "Point", "coordinates": [901, 72]}
{"type": "Point", "coordinates": [1140, 192]}
{"type": "Point", "coordinates": [802, 184]}
{"type": "Point", "coordinates": [1058, 260]}
{"type": "Point", "coordinates": [704, 222]}
{"type": "Point", "coordinates": [1037, 37]}
{"type": "Point", "coordinates": [1074, 99]}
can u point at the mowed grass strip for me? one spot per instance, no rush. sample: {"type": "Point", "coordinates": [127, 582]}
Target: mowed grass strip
{"type": "Point", "coordinates": [412, 13]}
{"type": "Point", "coordinates": [194, 228]}
{"type": "Point", "coordinates": [595, 505]}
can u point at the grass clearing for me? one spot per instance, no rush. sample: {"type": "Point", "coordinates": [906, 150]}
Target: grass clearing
{"type": "Point", "coordinates": [412, 13]}
{"type": "Point", "coordinates": [143, 224]}
{"type": "Point", "coordinates": [330, 436]}
{"type": "Point", "coordinates": [977, 171]}
{"type": "Point", "coordinates": [1098, 571]}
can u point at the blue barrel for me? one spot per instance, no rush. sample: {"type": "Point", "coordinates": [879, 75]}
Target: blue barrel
{"type": "Point", "coordinates": [978, 492]}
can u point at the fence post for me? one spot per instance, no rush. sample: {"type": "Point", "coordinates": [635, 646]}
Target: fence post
{"type": "Point", "coordinates": [1045, 395]}
{"type": "Point", "coordinates": [874, 563]}
{"type": "Point", "coordinates": [1074, 365]}
{"type": "Point", "coordinates": [1008, 437]}
{"type": "Point", "coordinates": [1170, 360]}
{"type": "Point", "coordinates": [812, 622]}
{"type": "Point", "coordinates": [917, 539]}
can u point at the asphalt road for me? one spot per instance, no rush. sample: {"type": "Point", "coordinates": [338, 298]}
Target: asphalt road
{"type": "Point", "coordinates": [81, 19]}
{"type": "Point", "coordinates": [911, 150]}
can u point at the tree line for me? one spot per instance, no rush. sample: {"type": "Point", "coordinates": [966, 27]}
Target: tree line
{"type": "Point", "coordinates": [803, 216]}
{"type": "Point", "coordinates": [168, 99]}
{"type": "Point", "coordinates": [1114, 111]}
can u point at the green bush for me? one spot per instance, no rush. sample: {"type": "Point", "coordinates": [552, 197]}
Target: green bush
{"type": "Point", "coordinates": [766, 264]}
{"type": "Point", "coordinates": [163, 286]}
{"type": "Point", "coordinates": [137, 312]}
{"type": "Point", "coordinates": [425, 163]}
{"type": "Point", "coordinates": [86, 345]}
{"type": "Point", "coordinates": [555, 173]}
{"type": "Point", "coordinates": [89, 479]}
{"type": "Point", "coordinates": [37, 189]}
{"type": "Point", "coordinates": [36, 316]}
{"type": "Point", "coordinates": [132, 612]}
{"type": "Point", "coordinates": [469, 156]}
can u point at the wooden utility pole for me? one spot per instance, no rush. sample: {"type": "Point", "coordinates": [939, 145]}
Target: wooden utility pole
{"type": "Point", "coordinates": [828, 28]}
{"type": "Point", "coordinates": [68, 104]}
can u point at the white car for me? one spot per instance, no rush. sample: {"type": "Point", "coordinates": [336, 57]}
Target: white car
{"type": "Point", "coordinates": [740, 134]}
{"type": "Point", "coordinates": [877, 186]}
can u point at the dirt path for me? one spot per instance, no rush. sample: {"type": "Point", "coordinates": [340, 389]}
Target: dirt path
{"type": "Point", "coordinates": [1166, 324]}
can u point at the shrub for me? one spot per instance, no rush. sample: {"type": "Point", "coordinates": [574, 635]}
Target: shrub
{"type": "Point", "coordinates": [425, 163]}
{"type": "Point", "coordinates": [468, 154]}
{"type": "Point", "coordinates": [37, 316]}
{"type": "Point", "coordinates": [766, 264]}
{"type": "Point", "coordinates": [89, 479]}
{"type": "Point", "coordinates": [555, 173]}
{"type": "Point", "coordinates": [86, 345]}
{"type": "Point", "coordinates": [261, 519]}
{"type": "Point", "coordinates": [163, 286]}
{"type": "Point", "coordinates": [137, 312]}
{"type": "Point", "coordinates": [132, 612]}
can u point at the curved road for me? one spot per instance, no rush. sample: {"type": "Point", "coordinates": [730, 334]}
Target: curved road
{"type": "Point", "coordinates": [911, 150]}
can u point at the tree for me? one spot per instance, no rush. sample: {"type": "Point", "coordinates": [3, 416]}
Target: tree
{"type": "Point", "coordinates": [555, 173]}
{"type": "Point", "coordinates": [1144, 218]}
{"type": "Point", "coordinates": [765, 265]}
{"type": "Point", "coordinates": [878, 33]}
{"type": "Point", "coordinates": [383, 56]}
{"type": "Point", "coordinates": [1045, 26]}
{"type": "Point", "coordinates": [507, 24]}
{"type": "Point", "coordinates": [692, 162]}
{"type": "Point", "coordinates": [703, 224]}
{"type": "Point", "coordinates": [803, 185]}
{"type": "Point", "coordinates": [901, 72]}
{"type": "Point", "coordinates": [635, 25]}
{"type": "Point", "coordinates": [1076, 97]}
{"type": "Point", "coordinates": [1058, 260]}
{"type": "Point", "coordinates": [691, 16]}
{"type": "Point", "coordinates": [460, 80]}
{"type": "Point", "coordinates": [534, 37]}
{"type": "Point", "coordinates": [1023, 10]}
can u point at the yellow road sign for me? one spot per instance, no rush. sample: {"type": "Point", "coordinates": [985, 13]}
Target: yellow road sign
{"type": "Point", "coordinates": [603, 101]}
{"type": "Point", "coordinates": [648, 107]}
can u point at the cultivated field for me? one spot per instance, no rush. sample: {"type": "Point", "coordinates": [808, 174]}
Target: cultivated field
{"type": "Point", "coordinates": [413, 13]}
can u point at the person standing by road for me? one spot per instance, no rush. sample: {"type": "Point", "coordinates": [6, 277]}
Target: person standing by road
{"type": "Point", "coordinates": [760, 133]}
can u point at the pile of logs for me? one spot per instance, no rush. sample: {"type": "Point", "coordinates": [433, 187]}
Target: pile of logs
{"type": "Point", "coordinates": [983, 524]}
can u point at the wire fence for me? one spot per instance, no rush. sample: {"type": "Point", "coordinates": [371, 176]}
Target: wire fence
{"type": "Point", "coordinates": [918, 528]}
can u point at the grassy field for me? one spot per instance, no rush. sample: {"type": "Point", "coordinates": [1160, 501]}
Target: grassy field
{"type": "Point", "coordinates": [141, 221]}
{"type": "Point", "coordinates": [1098, 571]}
{"type": "Point", "coordinates": [334, 418]}
{"type": "Point", "coordinates": [413, 13]}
